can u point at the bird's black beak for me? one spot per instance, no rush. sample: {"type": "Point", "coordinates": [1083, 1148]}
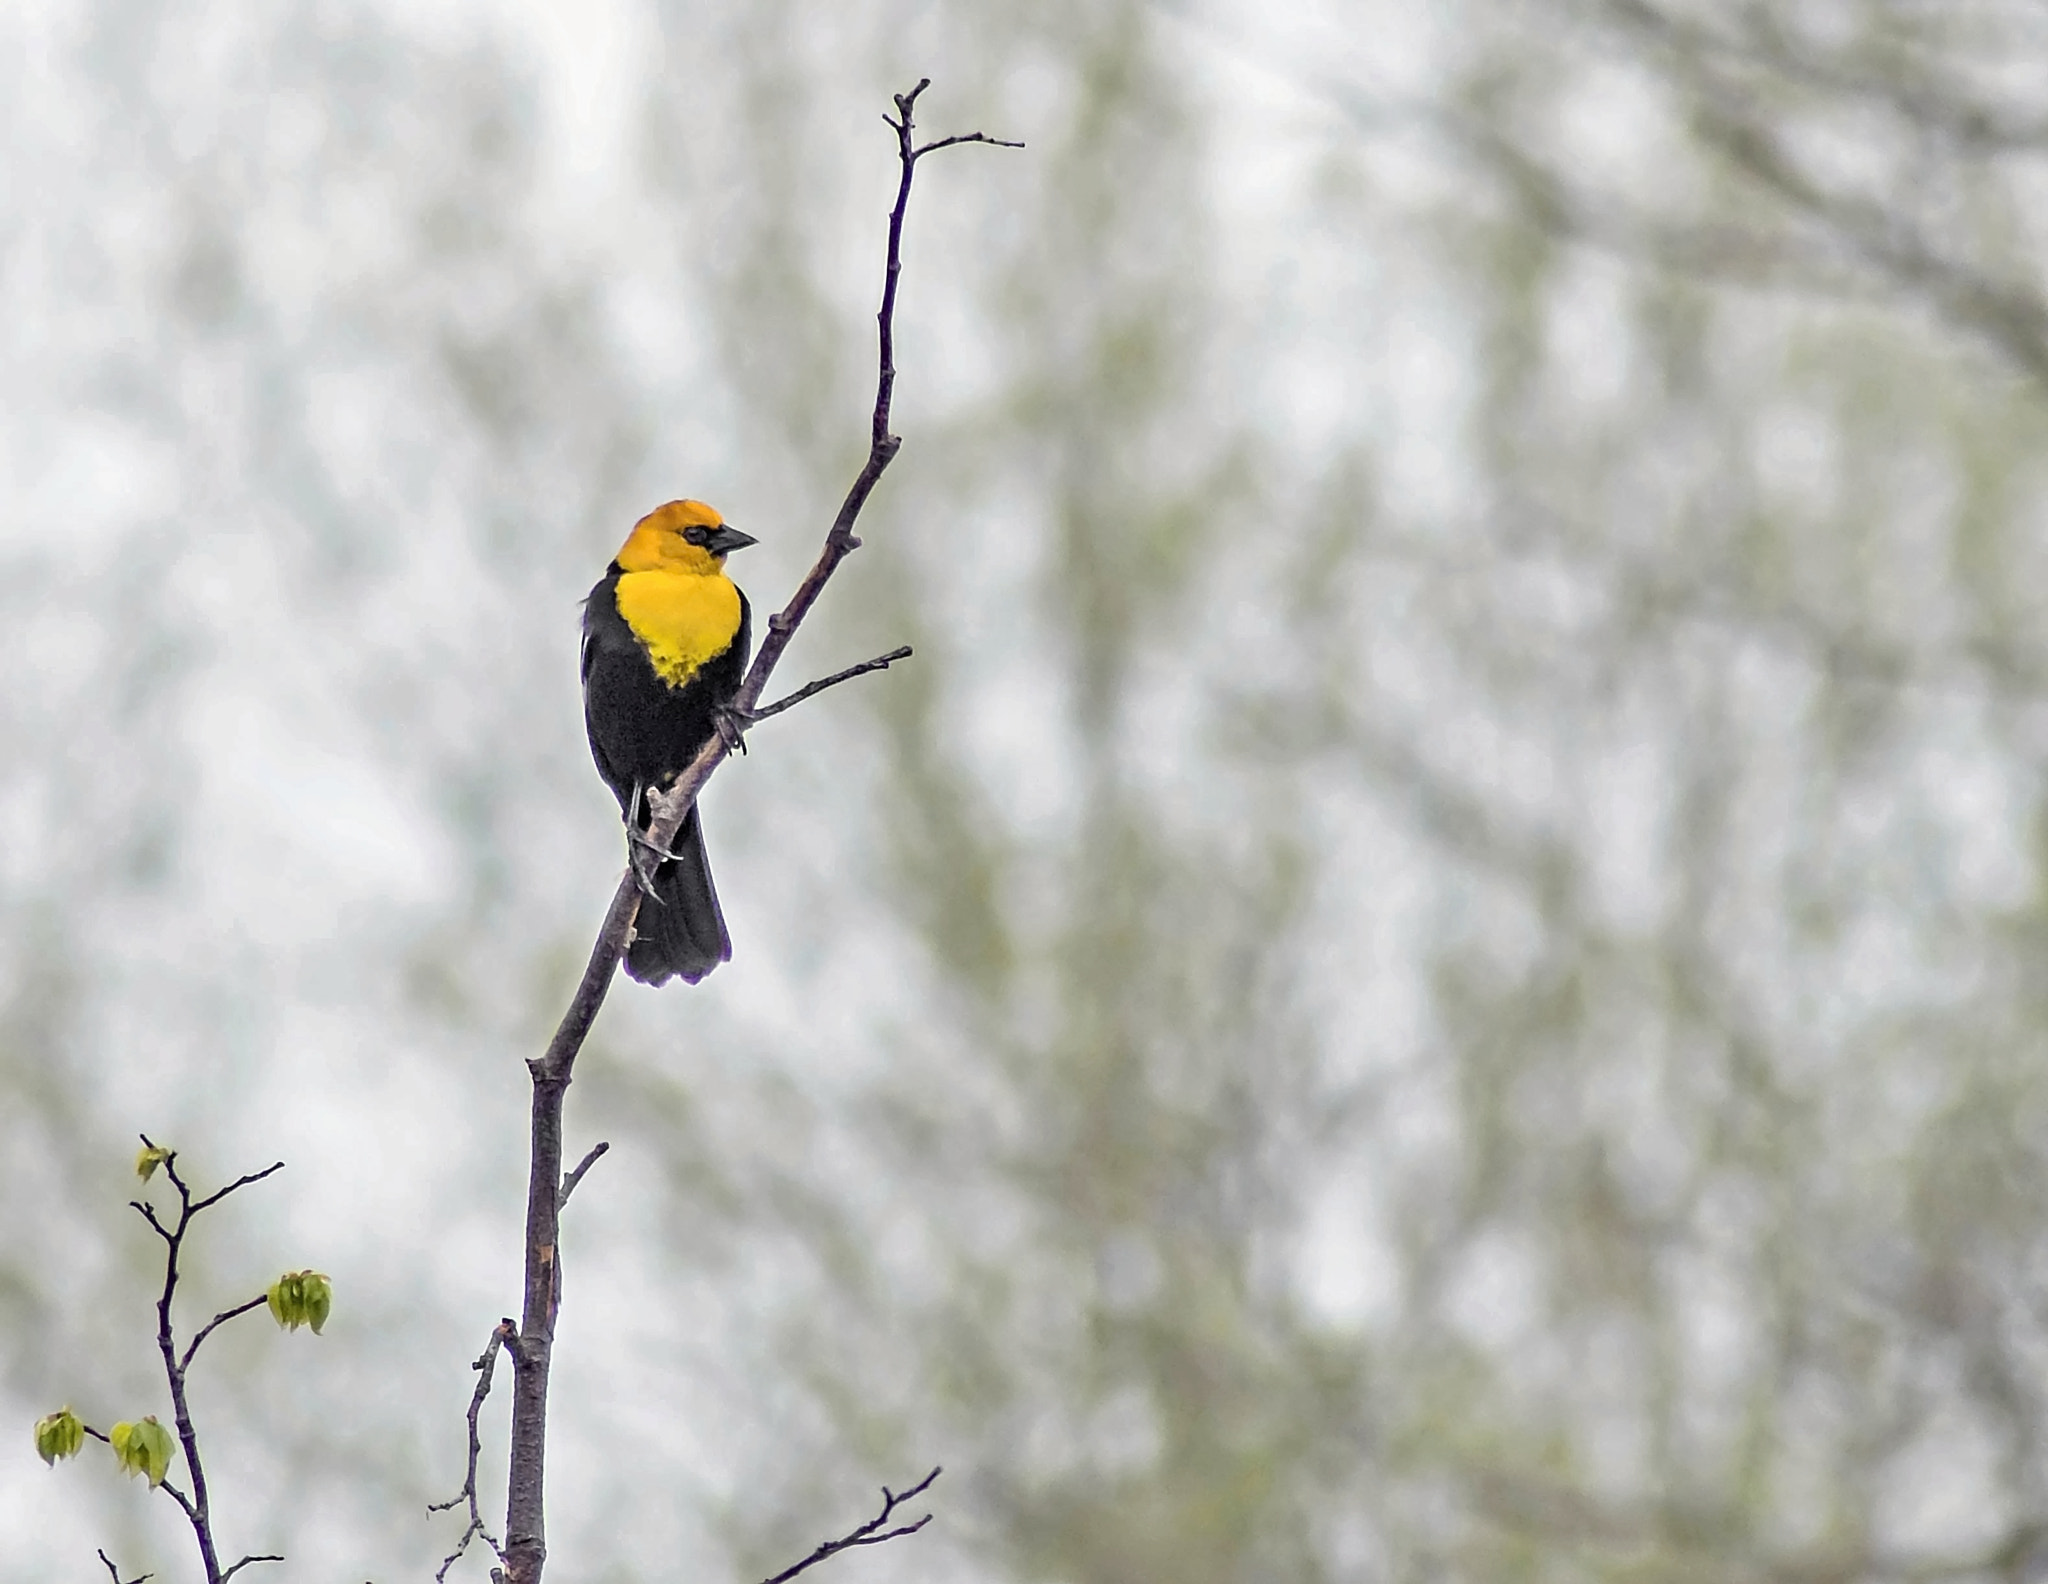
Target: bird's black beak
{"type": "Point", "coordinates": [723, 540]}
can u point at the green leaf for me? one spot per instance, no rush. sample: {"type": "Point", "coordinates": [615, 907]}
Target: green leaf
{"type": "Point", "coordinates": [318, 1295]}
{"type": "Point", "coordinates": [148, 1158]}
{"type": "Point", "coordinates": [143, 1447]}
{"type": "Point", "coordinates": [59, 1435]}
{"type": "Point", "coordinates": [301, 1298]}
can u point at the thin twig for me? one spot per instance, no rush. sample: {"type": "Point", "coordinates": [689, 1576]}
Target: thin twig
{"type": "Point", "coordinates": [525, 1552]}
{"type": "Point", "coordinates": [869, 1533]}
{"type": "Point", "coordinates": [165, 1486]}
{"type": "Point", "coordinates": [879, 663]}
{"type": "Point", "coordinates": [185, 1503]}
{"type": "Point", "coordinates": [220, 1319]}
{"type": "Point", "coordinates": [213, 1199]}
{"type": "Point", "coordinates": [569, 1182]}
{"type": "Point", "coordinates": [964, 137]}
{"type": "Point", "coordinates": [503, 1335]}
{"type": "Point", "coordinates": [115, 1573]}
{"type": "Point", "coordinates": [195, 1507]}
{"type": "Point", "coordinates": [149, 1214]}
{"type": "Point", "coordinates": [231, 1572]}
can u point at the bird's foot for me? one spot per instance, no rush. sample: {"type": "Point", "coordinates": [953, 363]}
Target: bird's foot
{"type": "Point", "coordinates": [645, 856]}
{"type": "Point", "coordinates": [732, 723]}
{"type": "Point", "coordinates": [642, 855]}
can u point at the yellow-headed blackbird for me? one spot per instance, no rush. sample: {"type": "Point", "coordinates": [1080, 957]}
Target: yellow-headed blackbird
{"type": "Point", "coordinates": [665, 637]}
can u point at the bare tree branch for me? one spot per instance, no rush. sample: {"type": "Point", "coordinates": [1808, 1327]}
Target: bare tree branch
{"type": "Point", "coordinates": [196, 1508]}
{"type": "Point", "coordinates": [504, 1334]}
{"type": "Point", "coordinates": [569, 1182]}
{"type": "Point", "coordinates": [809, 689]}
{"type": "Point", "coordinates": [525, 1550]}
{"type": "Point", "coordinates": [218, 1320]}
{"type": "Point", "coordinates": [245, 1562]}
{"type": "Point", "coordinates": [215, 1198]}
{"type": "Point", "coordinates": [870, 1533]}
{"type": "Point", "coordinates": [115, 1573]}
{"type": "Point", "coordinates": [964, 137]}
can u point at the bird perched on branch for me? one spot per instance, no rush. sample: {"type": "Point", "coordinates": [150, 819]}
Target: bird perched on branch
{"type": "Point", "coordinates": [665, 636]}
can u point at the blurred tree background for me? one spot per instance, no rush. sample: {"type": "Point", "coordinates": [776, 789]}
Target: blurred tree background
{"type": "Point", "coordinates": [1436, 971]}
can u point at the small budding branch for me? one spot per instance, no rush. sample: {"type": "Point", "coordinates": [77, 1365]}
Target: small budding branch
{"type": "Point", "coordinates": [530, 1342]}
{"type": "Point", "coordinates": [144, 1446]}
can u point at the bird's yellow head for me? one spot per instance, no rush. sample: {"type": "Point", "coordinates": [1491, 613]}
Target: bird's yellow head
{"type": "Point", "coordinates": [684, 536]}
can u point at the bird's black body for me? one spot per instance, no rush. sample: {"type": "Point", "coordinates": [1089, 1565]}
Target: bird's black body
{"type": "Point", "coordinates": [644, 730]}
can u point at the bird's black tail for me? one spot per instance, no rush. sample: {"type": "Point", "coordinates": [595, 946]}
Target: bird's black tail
{"type": "Point", "coordinates": [680, 932]}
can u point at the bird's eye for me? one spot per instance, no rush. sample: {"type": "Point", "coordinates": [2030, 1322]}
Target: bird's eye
{"type": "Point", "coordinates": [695, 536]}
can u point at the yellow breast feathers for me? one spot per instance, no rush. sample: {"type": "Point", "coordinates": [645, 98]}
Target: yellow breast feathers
{"type": "Point", "coordinates": [681, 618]}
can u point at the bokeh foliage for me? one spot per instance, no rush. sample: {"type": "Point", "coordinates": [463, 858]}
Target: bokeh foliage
{"type": "Point", "coordinates": [1433, 973]}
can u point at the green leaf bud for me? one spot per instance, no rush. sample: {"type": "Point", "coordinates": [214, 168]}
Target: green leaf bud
{"type": "Point", "coordinates": [318, 1294]}
{"type": "Point", "coordinates": [301, 1298]}
{"type": "Point", "coordinates": [59, 1435]}
{"type": "Point", "coordinates": [144, 1448]}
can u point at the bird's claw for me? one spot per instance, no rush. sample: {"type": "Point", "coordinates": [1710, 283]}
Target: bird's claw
{"type": "Point", "coordinates": [639, 847]}
{"type": "Point", "coordinates": [643, 856]}
{"type": "Point", "coordinates": [732, 723]}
